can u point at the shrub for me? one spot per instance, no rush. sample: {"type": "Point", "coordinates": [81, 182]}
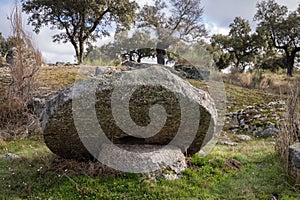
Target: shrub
{"type": "Point", "coordinates": [24, 61]}
{"type": "Point", "coordinates": [289, 129]}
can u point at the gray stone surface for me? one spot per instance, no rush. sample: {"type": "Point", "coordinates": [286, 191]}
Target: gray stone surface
{"type": "Point", "coordinates": [192, 72]}
{"type": "Point", "coordinates": [269, 132]}
{"type": "Point", "coordinates": [61, 135]}
{"type": "Point", "coordinates": [167, 162]}
{"type": "Point", "coordinates": [244, 137]}
{"type": "Point", "coordinates": [294, 161]}
{"type": "Point", "coordinates": [10, 156]}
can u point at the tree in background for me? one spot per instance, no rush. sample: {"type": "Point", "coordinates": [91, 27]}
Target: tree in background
{"type": "Point", "coordinates": [83, 21]}
{"type": "Point", "coordinates": [133, 48]}
{"type": "Point", "coordinates": [171, 21]}
{"type": "Point", "coordinates": [283, 28]}
{"type": "Point", "coordinates": [3, 46]}
{"type": "Point", "coordinates": [239, 46]}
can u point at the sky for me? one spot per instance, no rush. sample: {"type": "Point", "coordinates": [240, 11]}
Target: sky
{"type": "Point", "coordinates": [218, 14]}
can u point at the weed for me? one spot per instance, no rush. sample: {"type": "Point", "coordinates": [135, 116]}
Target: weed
{"type": "Point", "coordinates": [289, 129]}
{"type": "Point", "coordinates": [23, 61]}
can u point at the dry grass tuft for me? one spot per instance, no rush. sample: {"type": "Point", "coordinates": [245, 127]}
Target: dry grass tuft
{"type": "Point", "coordinates": [74, 168]}
{"type": "Point", "coordinates": [289, 129]}
{"type": "Point", "coordinates": [275, 83]}
{"type": "Point", "coordinates": [24, 61]}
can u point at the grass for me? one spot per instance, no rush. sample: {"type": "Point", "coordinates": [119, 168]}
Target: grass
{"type": "Point", "coordinates": [250, 170]}
{"type": "Point", "coordinates": [56, 78]}
{"type": "Point", "coordinates": [276, 83]}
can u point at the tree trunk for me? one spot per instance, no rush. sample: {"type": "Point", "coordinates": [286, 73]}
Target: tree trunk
{"type": "Point", "coordinates": [290, 65]}
{"type": "Point", "coordinates": [76, 51]}
{"type": "Point", "coordinates": [161, 52]}
{"type": "Point", "coordinates": [139, 59]}
{"type": "Point", "coordinates": [290, 60]}
{"type": "Point", "coordinates": [81, 52]}
{"type": "Point", "coordinates": [160, 56]}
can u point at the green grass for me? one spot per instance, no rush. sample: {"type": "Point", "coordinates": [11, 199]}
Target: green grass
{"type": "Point", "coordinates": [259, 176]}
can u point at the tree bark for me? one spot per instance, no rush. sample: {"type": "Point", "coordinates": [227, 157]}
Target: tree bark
{"type": "Point", "coordinates": [139, 59]}
{"type": "Point", "coordinates": [161, 52]}
{"type": "Point", "coordinates": [160, 56]}
{"type": "Point", "coordinates": [290, 65]}
{"type": "Point", "coordinates": [81, 52]}
{"type": "Point", "coordinates": [290, 60]}
{"type": "Point", "coordinates": [77, 53]}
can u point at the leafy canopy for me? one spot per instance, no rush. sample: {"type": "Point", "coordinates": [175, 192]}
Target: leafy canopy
{"type": "Point", "coordinates": [172, 21]}
{"type": "Point", "coordinates": [238, 47]}
{"type": "Point", "coordinates": [282, 27]}
{"type": "Point", "coordinates": [81, 21]}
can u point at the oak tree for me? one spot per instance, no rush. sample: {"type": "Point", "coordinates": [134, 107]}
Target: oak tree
{"type": "Point", "coordinates": [171, 21]}
{"type": "Point", "coordinates": [80, 21]}
{"type": "Point", "coordinates": [282, 27]}
{"type": "Point", "coordinates": [239, 46]}
{"type": "Point", "coordinates": [133, 47]}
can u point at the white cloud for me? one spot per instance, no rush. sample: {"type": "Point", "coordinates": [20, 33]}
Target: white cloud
{"type": "Point", "coordinates": [215, 29]}
{"type": "Point", "coordinates": [222, 12]}
{"type": "Point", "coordinates": [51, 51]}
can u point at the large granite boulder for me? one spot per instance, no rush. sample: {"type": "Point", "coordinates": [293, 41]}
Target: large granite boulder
{"type": "Point", "coordinates": [163, 110]}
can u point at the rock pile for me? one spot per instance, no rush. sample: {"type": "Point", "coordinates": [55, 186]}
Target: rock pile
{"type": "Point", "coordinates": [259, 120]}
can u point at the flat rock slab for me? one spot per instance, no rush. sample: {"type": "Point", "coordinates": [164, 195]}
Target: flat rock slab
{"type": "Point", "coordinates": [150, 106]}
{"type": "Point", "coordinates": [144, 158]}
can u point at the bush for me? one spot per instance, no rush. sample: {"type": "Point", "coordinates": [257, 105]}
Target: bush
{"type": "Point", "coordinates": [24, 61]}
{"type": "Point", "coordinates": [289, 130]}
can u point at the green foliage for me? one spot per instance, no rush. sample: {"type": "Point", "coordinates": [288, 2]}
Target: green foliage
{"type": "Point", "coordinates": [135, 47]}
{"type": "Point", "coordinates": [282, 27]}
{"type": "Point", "coordinates": [3, 46]}
{"type": "Point", "coordinates": [196, 54]}
{"type": "Point", "coordinates": [272, 63]}
{"type": "Point", "coordinates": [238, 47]}
{"type": "Point", "coordinates": [7, 44]}
{"type": "Point", "coordinates": [182, 22]}
{"type": "Point", "coordinates": [82, 21]}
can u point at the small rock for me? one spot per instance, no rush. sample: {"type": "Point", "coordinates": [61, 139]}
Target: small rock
{"type": "Point", "coordinates": [9, 156]}
{"type": "Point", "coordinates": [227, 143]}
{"type": "Point", "coordinates": [244, 137]}
{"type": "Point", "coordinates": [294, 161]}
{"type": "Point", "coordinates": [3, 134]}
{"type": "Point", "coordinates": [98, 71]}
{"type": "Point", "coordinates": [256, 116]}
{"type": "Point", "coordinates": [271, 143]}
{"type": "Point", "coordinates": [295, 155]}
{"type": "Point", "coordinates": [274, 103]}
{"type": "Point", "coordinates": [171, 177]}
{"type": "Point", "coordinates": [270, 125]}
{"type": "Point", "coordinates": [242, 123]}
{"type": "Point", "coordinates": [269, 132]}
